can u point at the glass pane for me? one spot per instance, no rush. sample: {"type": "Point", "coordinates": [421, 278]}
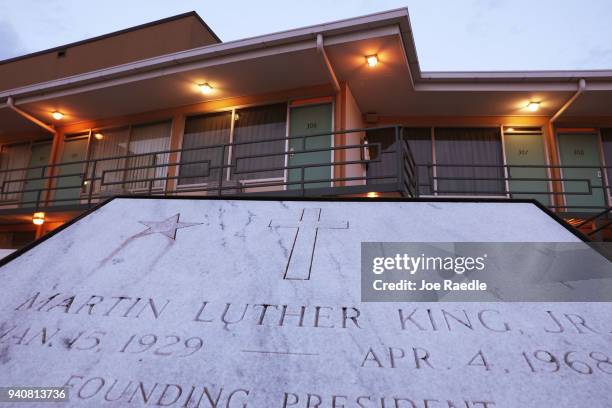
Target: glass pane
{"type": "Point", "coordinates": [13, 161]}
{"type": "Point", "coordinates": [419, 140]}
{"type": "Point", "coordinates": [203, 152]}
{"type": "Point", "coordinates": [259, 142]}
{"type": "Point", "coordinates": [148, 167]}
{"type": "Point", "coordinates": [109, 153]}
{"type": "Point", "coordinates": [34, 189]}
{"type": "Point", "coordinates": [469, 161]}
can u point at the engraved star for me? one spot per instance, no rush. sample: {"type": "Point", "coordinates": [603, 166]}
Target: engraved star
{"type": "Point", "coordinates": [166, 227]}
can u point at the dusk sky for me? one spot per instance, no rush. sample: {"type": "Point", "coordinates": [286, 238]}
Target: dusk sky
{"type": "Point", "coordinates": [473, 35]}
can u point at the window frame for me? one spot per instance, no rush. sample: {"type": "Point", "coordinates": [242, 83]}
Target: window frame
{"type": "Point", "coordinates": [90, 151]}
{"type": "Point", "coordinates": [244, 183]}
{"type": "Point", "coordinates": [434, 161]}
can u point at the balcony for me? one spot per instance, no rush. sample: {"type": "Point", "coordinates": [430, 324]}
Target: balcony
{"type": "Point", "coordinates": [300, 167]}
{"type": "Point", "coordinates": [564, 189]}
{"type": "Point", "coordinates": [345, 164]}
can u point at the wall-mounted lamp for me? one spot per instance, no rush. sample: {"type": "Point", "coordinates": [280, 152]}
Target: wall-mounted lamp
{"type": "Point", "coordinates": [57, 115]}
{"type": "Point", "coordinates": [372, 60]}
{"type": "Point", "coordinates": [205, 88]}
{"type": "Point", "coordinates": [98, 136]}
{"type": "Point", "coordinates": [38, 218]}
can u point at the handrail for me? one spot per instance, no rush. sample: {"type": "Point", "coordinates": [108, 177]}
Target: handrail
{"type": "Point", "coordinates": [502, 173]}
{"type": "Point", "coordinates": [85, 181]}
{"type": "Point", "coordinates": [593, 218]}
{"type": "Point", "coordinates": [601, 228]}
{"type": "Point", "coordinates": [207, 169]}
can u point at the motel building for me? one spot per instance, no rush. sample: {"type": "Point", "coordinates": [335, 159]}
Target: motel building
{"type": "Point", "coordinates": [341, 109]}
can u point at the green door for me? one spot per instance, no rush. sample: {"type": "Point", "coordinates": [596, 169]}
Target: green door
{"type": "Point", "coordinates": [68, 183]}
{"type": "Point", "coordinates": [527, 149]}
{"type": "Point", "coordinates": [34, 187]}
{"type": "Point", "coordinates": [310, 120]}
{"type": "Point", "coordinates": [581, 150]}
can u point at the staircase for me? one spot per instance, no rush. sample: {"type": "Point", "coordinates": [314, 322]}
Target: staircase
{"type": "Point", "coordinates": [598, 227]}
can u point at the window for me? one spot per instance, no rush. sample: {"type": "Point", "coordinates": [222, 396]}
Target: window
{"type": "Point", "coordinates": [253, 149]}
{"type": "Point", "coordinates": [469, 161]}
{"type": "Point", "coordinates": [259, 142]}
{"type": "Point", "coordinates": [13, 161]}
{"type": "Point", "coordinates": [419, 140]}
{"type": "Point", "coordinates": [450, 161]}
{"type": "Point", "coordinates": [203, 153]}
{"type": "Point", "coordinates": [130, 157]}
{"type": "Point", "coordinates": [109, 152]}
{"type": "Point", "coordinates": [146, 163]}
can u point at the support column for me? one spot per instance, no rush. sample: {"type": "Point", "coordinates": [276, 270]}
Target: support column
{"type": "Point", "coordinates": [176, 141]}
{"type": "Point", "coordinates": [553, 157]}
{"type": "Point", "coordinates": [339, 124]}
{"type": "Point", "coordinates": [54, 159]}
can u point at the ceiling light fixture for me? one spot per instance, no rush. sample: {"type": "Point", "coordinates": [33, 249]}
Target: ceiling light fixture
{"type": "Point", "coordinates": [533, 106]}
{"type": "Point", "coordinates": [57, 115]}
{"type": "Point", "coordinates": [98, 136]}
{"type": "Point", "coordinates": [372, 60]}
{"type": "Point", "coordinates": [38, 218]}
{"type": "Point", "coordinates": [205, 88]}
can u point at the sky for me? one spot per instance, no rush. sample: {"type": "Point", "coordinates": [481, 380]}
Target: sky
{"type": "Point", "coordinates": [450, 35]}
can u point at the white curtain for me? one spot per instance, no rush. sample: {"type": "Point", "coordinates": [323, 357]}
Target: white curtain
{"type": "Point", "coordinates": [12, 159]}
{"type": "Point", "coordinates": [114, 143]}
{"type": "Point", "coordinates": [122, 156]}
{"type": "Point", "coordinates": [153, 138]}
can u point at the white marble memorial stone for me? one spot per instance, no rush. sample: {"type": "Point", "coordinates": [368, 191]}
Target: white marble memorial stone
{"type": "Point", "coordinates": [256, 303]}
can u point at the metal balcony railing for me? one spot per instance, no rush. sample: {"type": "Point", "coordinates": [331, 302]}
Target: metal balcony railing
{"type": "Point", "coordinates": [322, 164]}
{"type": "Point", "coordinates": [303, 165]}
{"type": "Point", "coordinates": [589, 192]}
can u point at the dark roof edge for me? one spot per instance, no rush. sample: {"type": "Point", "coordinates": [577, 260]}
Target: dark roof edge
{"type": "Point", "coordinates": [115, 33]}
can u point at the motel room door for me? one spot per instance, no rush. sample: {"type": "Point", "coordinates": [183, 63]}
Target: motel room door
{"type": "Point", "coordinates": [577, 149]}
{"type": "Point", "coordinates": [75, 150]}
{"type": "Point", "coordinates": [526, 148]}
{"type": "Point", "coordinates": [310, 120]}
{"type": "Point", "coordinates": [40, 153]}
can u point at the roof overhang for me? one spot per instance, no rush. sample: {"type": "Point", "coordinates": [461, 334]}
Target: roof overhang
{"type": "Point", "coordinates": [289, 60]}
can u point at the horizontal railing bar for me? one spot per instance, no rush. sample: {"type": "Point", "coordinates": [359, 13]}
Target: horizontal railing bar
{"type": "Point", "coordinates": [94, 183]}
{"type": "Point", "coordinates": [221, 145]}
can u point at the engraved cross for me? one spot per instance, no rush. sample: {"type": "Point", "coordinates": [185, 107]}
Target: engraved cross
{"type": "Point", "coordinates": [299, 264]}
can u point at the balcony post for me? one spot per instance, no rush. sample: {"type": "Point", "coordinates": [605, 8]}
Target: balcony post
{"type": "Point", "coordinates": [52, 170]}
{"type": "Point", "coordinates": [176, 141]}
{"type": "Point", "coordinates": [398, 159]}
{"type": "Point", "coordinates": [555, 171]}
